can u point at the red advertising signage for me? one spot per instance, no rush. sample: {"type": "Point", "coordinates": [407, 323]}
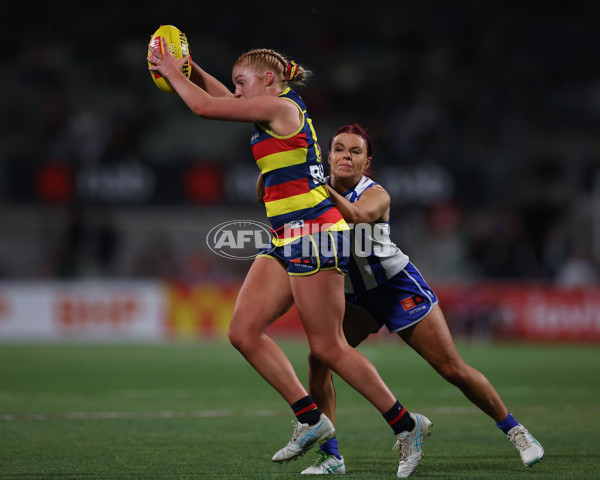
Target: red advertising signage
{"type": "Point", "coordinates": [525, 312]}
{"type": "Point", "coordinates": [495, 311]}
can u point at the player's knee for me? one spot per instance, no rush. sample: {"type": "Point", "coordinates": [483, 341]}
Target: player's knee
{"type": "Point", "coordinates": [454, 373]}
{"type": "Point", "coordinates": [239, 337]}
{"type": "Point", "coordinates": [325, 356]}
{"type": "Point", "coordinates": [318, 371]}
{"type": "Point", "coordinates": [316, 356]}
{"type": "Point", "coordinates": [235, 338]}
{"type": "Point", "coordinates": [314, 363]}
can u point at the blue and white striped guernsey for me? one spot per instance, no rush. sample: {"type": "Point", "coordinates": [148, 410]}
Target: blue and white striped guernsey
{"type": "Point", "coordinates": [375, 258]}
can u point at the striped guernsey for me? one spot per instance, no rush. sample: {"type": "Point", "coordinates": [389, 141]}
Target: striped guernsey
{"type": "Point", "coordinates": [296, 198]}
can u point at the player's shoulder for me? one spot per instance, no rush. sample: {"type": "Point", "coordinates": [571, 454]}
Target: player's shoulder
{"type": "Point", "coordinates": [376, 191]}
{"type": "Point", "coordinates": [375, 187]}
{"type": "Point", "coordinates": [365, 184]}
{"type": "Point", "coordinates": [373, 192]}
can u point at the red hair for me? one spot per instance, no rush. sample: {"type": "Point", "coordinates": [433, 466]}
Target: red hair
{"type": "Point", "coordinates": [358, 129]}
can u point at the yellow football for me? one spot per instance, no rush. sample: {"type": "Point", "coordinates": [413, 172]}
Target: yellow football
{"type": "Point", "coordinates": [179, 48]}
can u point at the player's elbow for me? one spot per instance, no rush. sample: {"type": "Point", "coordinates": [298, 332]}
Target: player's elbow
{"type": "Point", "coordinates": [199, 109]}
{"type": "Point", "coordinates": [354, 219]}
{"type": "Point", "coordinates": [365, 216]}
{"type": "Point", "coordinates": [351, 215]}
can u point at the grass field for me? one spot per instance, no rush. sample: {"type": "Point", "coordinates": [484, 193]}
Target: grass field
{"type": "Point", "coordinates": [191, 411]}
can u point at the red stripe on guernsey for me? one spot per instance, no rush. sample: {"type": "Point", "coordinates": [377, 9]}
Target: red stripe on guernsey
{"type": "Point", "coordinates": [275, 145]}
{"type": "Point", "coordinates": [330, 217]}
{"type": "Point", "coordinates": [286, 189]}
{"type": "Point", "coordinates": [312, 406]}
{"type": "Point", "coordinates": [400, 415]}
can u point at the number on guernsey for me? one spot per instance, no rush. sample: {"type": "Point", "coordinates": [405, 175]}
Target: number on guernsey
{"type": "Point", "coordinates": [316, 172]}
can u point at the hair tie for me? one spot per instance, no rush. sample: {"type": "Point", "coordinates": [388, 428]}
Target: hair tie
{"type": "Point", "coordinates": [291, 70]}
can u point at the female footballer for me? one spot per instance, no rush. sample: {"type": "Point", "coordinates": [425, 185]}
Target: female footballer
{"type": "Point", "coordinates": [306, 262]}
{"type": "Point", "coordinates": [384, 288]}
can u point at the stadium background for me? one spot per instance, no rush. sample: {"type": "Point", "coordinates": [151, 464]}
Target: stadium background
{"type": "Point", "coordinates": [487, 125]}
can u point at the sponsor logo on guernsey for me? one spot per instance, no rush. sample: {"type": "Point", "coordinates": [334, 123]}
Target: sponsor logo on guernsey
{"type": "Point", "coordinates": [295, 224]}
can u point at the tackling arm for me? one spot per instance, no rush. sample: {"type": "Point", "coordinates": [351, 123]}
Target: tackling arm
{"type": "Point", "coordinates": [373, 205]}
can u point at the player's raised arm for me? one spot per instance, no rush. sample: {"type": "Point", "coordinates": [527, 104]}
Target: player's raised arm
{"type": "Point", "coordinates": [255, 100]}
{"type": "Point", "coordinates": [208, 83]}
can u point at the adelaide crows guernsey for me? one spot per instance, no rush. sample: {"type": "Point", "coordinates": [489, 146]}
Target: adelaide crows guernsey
{"type": "Point", "coordinates": [296, 198]}
{"type": "Point", "coordinates": [375, 258]}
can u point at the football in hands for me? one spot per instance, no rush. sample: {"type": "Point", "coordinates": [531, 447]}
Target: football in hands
{"type": "Point", "coordinates": [178, 46]}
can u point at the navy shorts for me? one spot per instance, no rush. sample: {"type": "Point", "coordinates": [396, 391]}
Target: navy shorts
{"type": "Point", "coordinates": [322, 250]}
{"type": "Point", "coordinates": [402, 301]}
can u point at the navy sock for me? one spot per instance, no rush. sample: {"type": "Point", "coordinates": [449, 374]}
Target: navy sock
{"type": "Point", "coordinates": [330, 447]}
{"type": "Point", "coordinates": [399, 419]}
{"type": "Point", "coordinates": [507, 424]}
{"type": "Point", "coordinates": [306, 410]}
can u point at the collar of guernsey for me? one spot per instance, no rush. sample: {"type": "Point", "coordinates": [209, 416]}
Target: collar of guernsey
{"type": "Point", "coordinates": [296, 198]}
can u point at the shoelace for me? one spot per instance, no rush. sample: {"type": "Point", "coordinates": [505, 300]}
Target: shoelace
{"type": "Point", "coordinates": [321, 457]}
{"type": "Point", "coordinates": [296, 433]}
{"type": "Point", "coordinates": [402, 445]}
{"type": "Point", "coordinates": [520, 439]}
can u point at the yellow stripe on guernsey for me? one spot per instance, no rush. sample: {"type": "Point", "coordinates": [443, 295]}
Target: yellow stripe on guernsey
{"type": "Point", "coordinates": [340, 226]}
{"type": "Point", "coordinates": [297, 202]}
{"type": "Point", "coordinates": [282, 159]}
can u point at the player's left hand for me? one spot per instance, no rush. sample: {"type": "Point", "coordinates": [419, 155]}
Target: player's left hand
{"type": "Point", "coordinates": [163, 61]}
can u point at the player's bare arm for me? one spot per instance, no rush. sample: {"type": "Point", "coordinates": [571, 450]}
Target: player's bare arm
{"type": "Point", "coordinates": [208, 83]}
{"type": "Point", "coordinates": [373, 206]}
{"type": "Point", "coordinates": [278, 115]}
{"type": "Point", "coordinates": [260, 188]}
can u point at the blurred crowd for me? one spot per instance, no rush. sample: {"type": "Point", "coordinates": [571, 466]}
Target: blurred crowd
{"type": "Point", "coordinates": [485, 119]}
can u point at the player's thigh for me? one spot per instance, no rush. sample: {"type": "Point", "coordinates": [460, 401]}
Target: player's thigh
{"type": "Point", "coordinates": [265, 295]}
{"type": "Point", "coordinates": [431, 338]}
{"type": "Point", "coordinates": [320, 301]}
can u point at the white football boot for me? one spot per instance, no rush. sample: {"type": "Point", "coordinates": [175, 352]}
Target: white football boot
{"type": "Point", "coordinates": [304, 437]}
{"type": "Point", "coordinates": [326, 464]}
{"type": "Point", "coordinates": [529, 448]}
{"type": "Point", "coordinates": [410, 445]}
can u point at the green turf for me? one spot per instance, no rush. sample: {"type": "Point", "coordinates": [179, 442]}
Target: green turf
{"type": "Point", "coordinates": [196, 411]}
